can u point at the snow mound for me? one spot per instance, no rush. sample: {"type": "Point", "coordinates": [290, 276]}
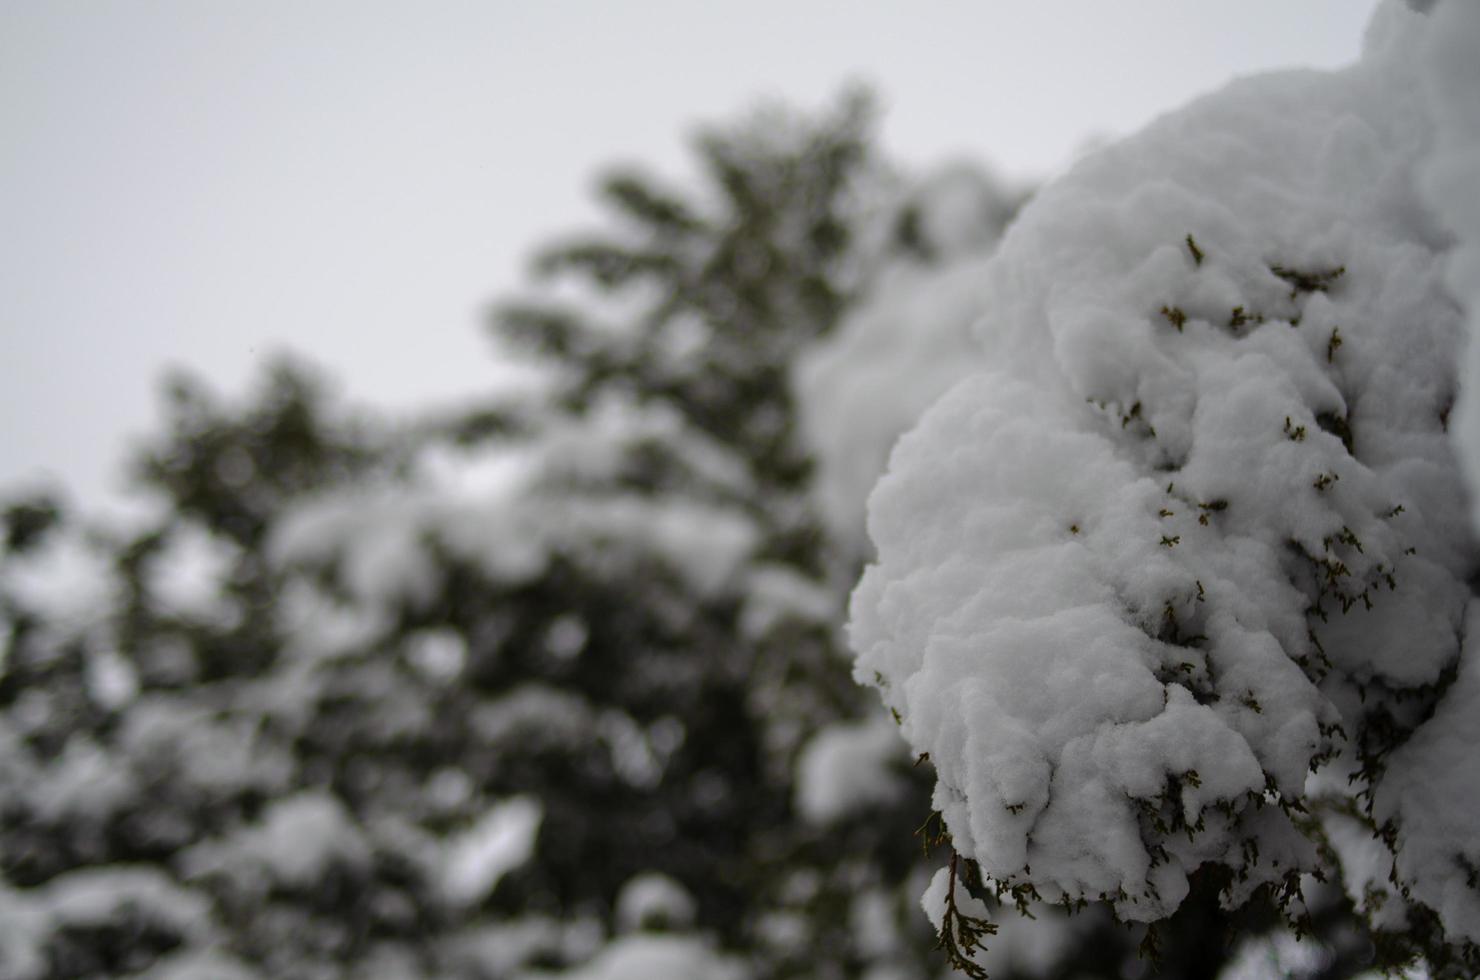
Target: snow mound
{"type": "Point", "coordinates": [1129, 573]}
{"type": "Point", "coordinates": [1450, 177]}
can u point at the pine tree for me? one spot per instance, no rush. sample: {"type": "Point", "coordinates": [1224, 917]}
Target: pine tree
{"type": "Point", "coordinates": [602, 611]}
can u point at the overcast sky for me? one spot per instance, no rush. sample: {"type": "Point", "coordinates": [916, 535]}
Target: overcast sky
{"type": "Point", "coordinates": [199, 183]}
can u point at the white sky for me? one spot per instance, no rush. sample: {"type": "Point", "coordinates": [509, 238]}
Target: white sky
{"type": "Point", "coordinates": [200, 183]}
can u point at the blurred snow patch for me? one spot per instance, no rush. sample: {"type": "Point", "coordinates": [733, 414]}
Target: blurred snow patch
{"type": "Point", "coordinates": [84, 782]}
{"type": "Point", "coordinates": [111, 680]}
{"type": "Point", "coordinates": [296, 841]}
{"type": "Point", "coordinates": [320, 626]}
{"type": "Point", "coordinates": [654, 901]}
{"type": "Point", "coordinates": [649, 956]}
{"type": "Point", "coordinates": [500, 949]}
{"type": "Point", "coordinates": [200, 964]}
{"type": "Point", "coordinates": [1280, 955]}
{"type": "Point", "coordinates": [499, 842]}
{"type": "Point", "coordinates": [187, 577]}
{"type": "Point", "coordinates": [440, 654]}
{"type": "Point", "coordinates": [848, 767]}
{"type": "Point", "coordinates": [776, 593]}
{"type": "Point", "coordinates": [126, 898]}
{"type": "Point", "coordinates": [67, 581]}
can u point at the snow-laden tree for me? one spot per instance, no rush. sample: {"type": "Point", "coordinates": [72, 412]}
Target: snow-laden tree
{"type": "Point", "coordinates": [1175, 592]}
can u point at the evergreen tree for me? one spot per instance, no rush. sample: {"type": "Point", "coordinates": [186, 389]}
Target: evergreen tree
{"type": "Point", "coordinates": [464, 697]}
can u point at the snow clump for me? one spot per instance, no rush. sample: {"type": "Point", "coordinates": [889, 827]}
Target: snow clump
{"type": "Point", "coordinates": [1197, 529]}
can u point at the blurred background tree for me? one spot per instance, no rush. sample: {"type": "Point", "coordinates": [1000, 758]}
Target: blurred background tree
{"type": "Point", "coordinates": [475, 693]}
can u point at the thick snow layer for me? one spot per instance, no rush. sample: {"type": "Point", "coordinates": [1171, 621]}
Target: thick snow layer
{"type": "Point", "coordinates": [902, 346]}
{"type": "Point", "coordinates": [1452, 184]}
{"type": "Point", "coordinates": [847, 767]}
{"type": "Point", "coordinates": [1432, 791]}
{"type": "Point", "coordinates": [1205, 469]}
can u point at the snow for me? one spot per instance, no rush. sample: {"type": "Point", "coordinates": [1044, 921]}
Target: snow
{"type": "Point", "coordinates": [648, 956]}
{"type": "Point", "coordinates": [319, 626]}
{"type": "Point", "coordinates": [196, 749]}
{"type": "Point", "coordinates": [1450, 176]}
{"type": "Point", "coordinates": [1432, 791]}
{"type": "Point", "coordinates": [501, 840]}
{"type": "Point", "coordinates": [294, 843]}
{"type": "Point", "coordinates": [498, 949]}
{"type": "Point", "coordinates": [654, 901]}
{"type": "Point", "coordinates": [83, 782]}
{"type": "Point", "coordinates": [1281, 955]}
{"type": "Point", "coordinates": [112, 681]}
{"type": "Point", "coordinates": [93, 897]}
{"type": "Point", "coordinates": [439, 654]}
{"type": "Point", "coordinates": [201, 964]}
{"type": "Point", "coordinates": [943, 885]}
{"type": "Point", "coordinates": [902, 346]}
{"type": "Point", "coordinates": [872, 921]}
{"type": "Point", "coordinates": [1024, 945]}
{"type": "Point", "coordinates": [848, 767]}
{"type": "Point", "coordinates": [507, 509]}
{"type": "Point", "coordinates": [66, 581]}
{"type": "Point", "coordinates": [540, 717]}
{"type": "Point", "coordinates": [776, 594]}
{"type": "Point", "coordinates": [1216, 359]}
{"type": "Point", "coordinates": [188, 576]}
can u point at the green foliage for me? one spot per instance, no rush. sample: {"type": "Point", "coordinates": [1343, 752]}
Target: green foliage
{"type": "Point", "coordinates": [1308, 281]}
{"type": "Point", "coordinates": [234, 472]}
{"type": "Point", "coordinates": [27, 519]}
{"type": "Point", "coordinates": [962, 935]}
{"type": "Point", "coordinates": [742, 279]}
